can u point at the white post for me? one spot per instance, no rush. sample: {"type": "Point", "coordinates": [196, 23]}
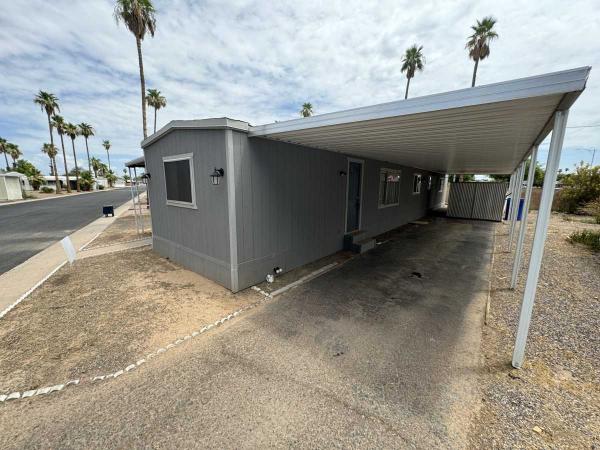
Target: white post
{"type": "Point", "coordinates": [541, 229]}
{"type": "Point", "coordinates": [139, 203]}
{"type": "Point", "coordinates": [516, 198]}
{"type": "Point", "coordinates": [510, 192]}
{"type": "Point", "coordinates": [137, 228]}
{"type": "Point", "coordinates": [523, 229]}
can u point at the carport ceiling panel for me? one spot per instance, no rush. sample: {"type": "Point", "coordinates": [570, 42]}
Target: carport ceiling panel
{"type": "Point", "coordinates": [490, 138]}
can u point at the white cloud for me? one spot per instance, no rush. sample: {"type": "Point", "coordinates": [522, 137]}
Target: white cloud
{"type": "Point", "coordinates": [258, 61]}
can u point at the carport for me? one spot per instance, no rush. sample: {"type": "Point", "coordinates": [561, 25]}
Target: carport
{"type": "Point", "coordinates": [492, 129]}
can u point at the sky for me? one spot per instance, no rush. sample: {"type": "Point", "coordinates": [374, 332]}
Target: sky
{"type": "Point", "coordinates": [258, 61]}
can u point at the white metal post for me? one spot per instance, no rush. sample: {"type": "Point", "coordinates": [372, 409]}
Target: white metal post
{"type": "Point", "coordinates": [541, 229]}
{"type": "Point", "coordinates": [510, 191]}
{"type": "Point", "coordinates": [516, 198]}
{"type": "Point", "coordinates": [139, 202]}
{"type": "Point", "coordinates": [137, 228]}
{"type": "Point", "coordinates": [523, 228]}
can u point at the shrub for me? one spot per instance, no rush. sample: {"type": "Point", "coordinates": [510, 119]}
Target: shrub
{"type": "Point", "coordinates": [101, 187]}
{"type": "Point", "coordinates": [579, 188]}
{"type": "Point", "coordinates": [587, 237]}
{"type": "Point", "coordinates": [592, 209]}
{"type": "Point", "coordinates": [46, 189]}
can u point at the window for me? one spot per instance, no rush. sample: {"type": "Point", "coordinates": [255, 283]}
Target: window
{"type": "Point", "coordinates": [441, 183]}
{"type": "Point", "coordinates": [417, 183]}
{"type": "Point", "coordinates": [429, 182]}
{"type": "Point", "coordinates": [389, 187]}
{"type": "Point", "coordinates": [179, 180]}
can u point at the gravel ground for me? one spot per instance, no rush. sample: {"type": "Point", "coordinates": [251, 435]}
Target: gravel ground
{"type": "Point", "coordinates": [123, 230]}
{"type": "Point", "coordinates": [103, 313]}
{"type": "Point", "coordinates": [554, 401]}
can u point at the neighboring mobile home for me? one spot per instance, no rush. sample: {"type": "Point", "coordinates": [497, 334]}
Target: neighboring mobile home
{"type": "Point", "coordinates": [233, 202]}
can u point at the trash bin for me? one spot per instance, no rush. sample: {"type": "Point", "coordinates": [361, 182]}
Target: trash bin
{"type": "Point", "coordinates": [519, 212]}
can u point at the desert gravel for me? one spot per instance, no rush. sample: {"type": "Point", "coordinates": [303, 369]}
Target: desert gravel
{"type": "Point", "coordinates": [554, 401]}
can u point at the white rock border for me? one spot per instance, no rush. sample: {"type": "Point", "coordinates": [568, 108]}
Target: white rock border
{"type": "Point", "coordinates": [131, 367]}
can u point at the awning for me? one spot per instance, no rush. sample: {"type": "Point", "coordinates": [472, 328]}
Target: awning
{"type": "Point", "coordinates": [484, 129]}
{"type": "Point", "coordinates": [137, 162]}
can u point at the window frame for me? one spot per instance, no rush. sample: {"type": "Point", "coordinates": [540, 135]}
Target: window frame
{"type": "Point", "coordinates": [189, 157]}
{"type": "Point", "coordinates": [388, 171]}
{"type": "Point", "coordinates": [417, 192]}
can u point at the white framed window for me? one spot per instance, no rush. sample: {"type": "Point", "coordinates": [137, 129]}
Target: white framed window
{"type": "Point", "coordinates": [389, 187]}
{"type": "Point", "coordinates": [417, 183]}
{"type": "Point", "coordinates": [429, 182]}
{"type": "Point", "coordinates": [441, 179]}
{"type": "Point", "coordinates": [179, 180]}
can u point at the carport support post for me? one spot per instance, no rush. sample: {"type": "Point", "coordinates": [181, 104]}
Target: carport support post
{"type": "Point", "coordinates": [511, 183]}
{"type": "Point", "coordinates": [516, 198]}
{"type": "Point", "coordinates": [137, 230]}
{"type": "Point", "coordinates": [523, 228]}
{"type": "Point", "coordinates": [541, 229]}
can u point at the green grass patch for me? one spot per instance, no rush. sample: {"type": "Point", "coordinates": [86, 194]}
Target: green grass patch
{"type": "Point", "coordinates": [587, 237]}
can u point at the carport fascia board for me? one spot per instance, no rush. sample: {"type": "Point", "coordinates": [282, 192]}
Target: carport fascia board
{"type": "Point", "coordinates": [569, 82]}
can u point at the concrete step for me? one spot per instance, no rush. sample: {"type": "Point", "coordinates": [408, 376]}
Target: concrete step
{"type": "Point", "coordinates": [365, 245]}
{"type": "Point", "coordinates": [357, 242]}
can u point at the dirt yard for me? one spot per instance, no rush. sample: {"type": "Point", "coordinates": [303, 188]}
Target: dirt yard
{"type": "Point", "coordinates": [554, 401]}
{"type": "Point", "coordinates": [124, 230]}
{"type": "Point", "coordinates": [103, 313]}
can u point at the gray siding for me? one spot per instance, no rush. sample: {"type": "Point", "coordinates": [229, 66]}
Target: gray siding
{"type": "Point", "coordinates": [195, 238]}
{"type": "Point", "coordinates": [291, 204]}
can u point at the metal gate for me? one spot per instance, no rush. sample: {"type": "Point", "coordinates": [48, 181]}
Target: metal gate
{"type": "Point", "coordinates": [477, 200]}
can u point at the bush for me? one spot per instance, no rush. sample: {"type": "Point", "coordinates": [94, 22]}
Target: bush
{"type": "Point", "coordinates": [579, 188]}
{"type": "Point", "coordinates": [46, 189]}
{"type": "Point", "coordinates": [587, 237]}
{"type": "Point", "coordinates": [592, 209]}
{"type": "Point", "coordinates": [101, 187]}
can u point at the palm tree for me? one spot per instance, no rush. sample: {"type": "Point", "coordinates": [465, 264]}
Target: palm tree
{"type": "Point", "coordinates": [86, 130]}
{"type": "Point", "coordinates": [96, 164]}
{"type": "Point", "coordinates": [52, 151]}
{"type": "Point", "coordinates": [157, 101]}
{"type": "Point", "coordinates": [14, 152]}
{"type": "Point", "coordinates": [479, 42]}
{"type": "Point", "coordinates": [106, 145]}
{"type": "Point", "coordinates": [412, 61]}
{"type": "Point", "coordinates": [59, 123]}
{"type": "Point", "coordinates": [4, 149]}
{"type": "Point", "coordinates": [73, 131]}
{"type": "Point", "coordinates": [307, 110]}
{"type": "Point", "coordinates": [49, 103]}
{"type": "Point", "coordinates": [138, 17]}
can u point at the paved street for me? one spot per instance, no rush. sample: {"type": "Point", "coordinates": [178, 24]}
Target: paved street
{"type": "Point", "coordinates": [27, 228]}
{"type": "Point", "coordinates": [380, 353]}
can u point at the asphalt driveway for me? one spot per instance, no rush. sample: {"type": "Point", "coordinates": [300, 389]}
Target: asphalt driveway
{"type": "Point", "coordinates": [382, 352]}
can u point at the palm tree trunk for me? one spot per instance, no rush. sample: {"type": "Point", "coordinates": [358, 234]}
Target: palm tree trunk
{"type": "Point", "coordinates": [142, 84]}
{"type": "Point", "coordinates": [475, 72]}
{"type": "Point", "coordinates": [87, 150]}
{"type": "Point", "coordinates": [6, 159]}
{"type": "Point", "coordinates": [108, 156]}
{"type": "Point", "coordinates": [62, 143]}
{"type": "Point", "coordinates": [76, 167]}
{"type": "Point", "coordinates": [58, 191]}
{"type": "Point", "coordinates": [57, 183]}
{"type": "Point", "coordinates": [407, 84]}
{"type": "Point", "coordinates": [155, 119]}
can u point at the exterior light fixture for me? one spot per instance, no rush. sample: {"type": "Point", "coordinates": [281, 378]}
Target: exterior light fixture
{"type": "Point", "coordinates": [216, 176]}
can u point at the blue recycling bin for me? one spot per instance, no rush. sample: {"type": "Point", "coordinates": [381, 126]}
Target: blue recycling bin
{"type": "Point", "coordinates": [519, 212]}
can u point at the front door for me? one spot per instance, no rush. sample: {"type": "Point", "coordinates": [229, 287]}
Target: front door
{"type": "Point", "coordinates": [354, 196]}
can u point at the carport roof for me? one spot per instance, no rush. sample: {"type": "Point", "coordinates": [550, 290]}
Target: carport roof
{"type": "Point", "coordinates": [484, 129]}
